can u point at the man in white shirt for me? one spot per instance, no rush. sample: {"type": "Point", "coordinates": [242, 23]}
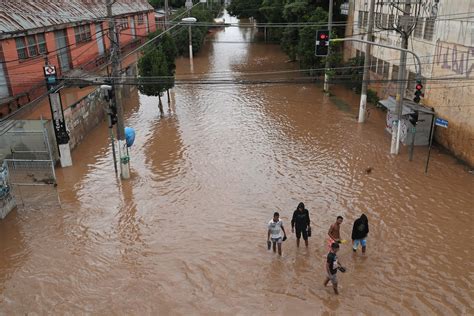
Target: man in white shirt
{"type": "Point", "coordinates": [275, 228]}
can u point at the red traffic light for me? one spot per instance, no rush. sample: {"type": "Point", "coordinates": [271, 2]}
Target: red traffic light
{"type": "Point", "coordinates": [323, 36]}
{"type": "Point", "coordinates": [419, 86]}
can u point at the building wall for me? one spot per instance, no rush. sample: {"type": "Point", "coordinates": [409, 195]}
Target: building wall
{"type": "Point", "coordinates": [82, 116]}
{"type": "Point", "coordinates": [447, 65]}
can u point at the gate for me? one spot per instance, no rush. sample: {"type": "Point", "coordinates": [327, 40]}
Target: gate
{"type": "Point", "coordinates": [29, 160]}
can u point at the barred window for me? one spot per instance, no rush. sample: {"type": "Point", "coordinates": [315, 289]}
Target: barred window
{"type": "Point", "coordinates": [391, 21]}
{"type": "Point", "coordinates": [429, 29]}
{"type": "Point", "coordinates": [360, 18]}
{"type": "Point", "coordinates": [83, 33]}
{"type": "Point", "coordinates": [30, 46]}
{"type": "Point", "coordinates": [378, 19]}
{"type": "Point", "coordinates": [384, 19]}
{"type": "Point", "coordinates": [141, 19]}
{"type": "Point", "coordinates": [418, 28]}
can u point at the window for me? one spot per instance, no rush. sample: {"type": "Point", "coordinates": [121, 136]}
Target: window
{"type": "Point", "coordinates": [391, 20]}
{"type": "Point", "coordinates": [384, 19]}
{"type": "Point", "coordinates": [123, 24]}
{"type": "Point", "coordinates": [21, 49]}
{"type": "Point", "coordinates": [357, 53]}
{"type": "Point", "coordinates": [395, 72]}
{"type": "Point", "coordinates": [140, 19]}
{"type": "Point", "coordinates": [360, 18]}
{"type": "Point", "coordinates": [30, 46]}
{"type": "Point", "coordinates": [429, 29]}
{"type": "Point", "coordinates": [83, 33]}
{"type": "Point", "coordinates": [380, 67]}
{"type": "Point", "coordinates": [373, 64]}
{"type": "Point", "coordinates": [411, 81]}
{"type": "Point", "coordinates": [366, 17]}
{"type": "Point", "coordinates": [418, 28]}
{"type": "Point", "coordinates": [378, 19]}
{"type": "Point", "coordinates": [386, 69]}
{"type": "Point", "coordinates": [41, 43]}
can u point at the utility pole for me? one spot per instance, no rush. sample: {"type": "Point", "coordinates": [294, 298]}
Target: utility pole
{"type": "Point", "coordinates": [405, 33]}
{"type": "Point", "coordinates": [57, 114]}
{"type": "Point", "coordinates": [326, 77]}
{"type": "Point", "coordinates": [166, 15]}
{"type": "Point", "coordinates": [116, 85]}
{"type": "Point", "coordinates": [366, 75]}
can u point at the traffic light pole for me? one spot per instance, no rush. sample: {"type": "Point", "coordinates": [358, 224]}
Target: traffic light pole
{"type": "Point", "coordinates": [366, 75]}
{"type": "Point", "coordinates": [116, 84]}
{"type": "Point", "coordinates": [417, 69]}
{"type": "Point", "coordinates": [326, 76]}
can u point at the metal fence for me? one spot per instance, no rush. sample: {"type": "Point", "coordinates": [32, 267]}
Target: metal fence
{"type": "Point", "coordinates": [27, 153]}
{"type": "Point", "coordinates": [30, 172]}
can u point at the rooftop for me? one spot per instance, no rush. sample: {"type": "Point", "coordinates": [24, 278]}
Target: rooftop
{"type": "Point", "coordinates": [18, 16]}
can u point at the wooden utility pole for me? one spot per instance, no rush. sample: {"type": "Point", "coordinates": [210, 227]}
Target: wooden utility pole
{"type": "Point", "coordinates": [116, 81]}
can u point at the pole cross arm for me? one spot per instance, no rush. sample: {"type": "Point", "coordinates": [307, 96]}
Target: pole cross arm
{"type": "Point", "coordinates": [417, 69]}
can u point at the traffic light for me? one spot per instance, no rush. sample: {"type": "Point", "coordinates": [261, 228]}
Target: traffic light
{"type": "Point", "coordinates": [418, 93]}
{"type": "Point", "coordinates": [413, 118]}
{"type": "Point", "coordinates": [322, 43]}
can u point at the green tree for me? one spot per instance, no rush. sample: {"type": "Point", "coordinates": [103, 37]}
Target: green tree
{"type": "Point", "coordinates": [246, 9]}
{"type": "Point", "coordinates": [154, 74]}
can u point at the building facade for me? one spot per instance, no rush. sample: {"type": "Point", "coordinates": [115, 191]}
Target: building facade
{"type": "Point", "coordinates": [67, 34]}
{"type": "Point", "coordinates": [443, 38]}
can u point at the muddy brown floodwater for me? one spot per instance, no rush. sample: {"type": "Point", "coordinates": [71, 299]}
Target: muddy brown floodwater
{"type": "Point", "coordinates": [187, 233]}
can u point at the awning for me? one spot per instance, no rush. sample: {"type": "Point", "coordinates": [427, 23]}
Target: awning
{"type": "Point", "coordinates": [408, 106]}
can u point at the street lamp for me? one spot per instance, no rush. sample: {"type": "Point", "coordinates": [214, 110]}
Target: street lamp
{"type": "Point", "coordinates": [189, 21]}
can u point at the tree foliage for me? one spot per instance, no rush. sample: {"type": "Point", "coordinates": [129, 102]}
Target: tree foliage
{"type": "Point", "coordinates": [297, 42]}
{"type": "Point", "coordinates": [154, 72]}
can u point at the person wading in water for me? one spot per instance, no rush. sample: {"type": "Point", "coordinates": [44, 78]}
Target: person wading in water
{"type": "Point", "coordinates": [359, 233]}
{"type": "Point", "coordinates": [334, 232]}
{"type": "Point", "coordinates": [301, 222]}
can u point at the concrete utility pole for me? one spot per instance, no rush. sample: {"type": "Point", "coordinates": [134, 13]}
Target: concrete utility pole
{"type": "Point", "coordinates": [57, 114]}
{"type": "Point", "coordinates": [366, 75]}
{"type": "Point", "coordinates": [405, 33]}
{"type": "Point", "coordinates": [166, 14]}
{"type": "Point", "coordinates": [116, 84]}
{"type": "Point", "coordinates": [326, 77]}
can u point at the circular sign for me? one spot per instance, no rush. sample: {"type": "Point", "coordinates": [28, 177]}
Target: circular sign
{"type": "Point", "coordinates": [49, 70]}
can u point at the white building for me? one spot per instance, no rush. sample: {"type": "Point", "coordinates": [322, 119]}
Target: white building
{"type": "Point", "coordinates": [443, 38]}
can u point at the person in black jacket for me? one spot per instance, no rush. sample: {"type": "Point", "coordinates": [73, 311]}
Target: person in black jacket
{"type": "Point", "coordinates": [301, 222]}
{"type": "Point", "coordinates": [359, 233]}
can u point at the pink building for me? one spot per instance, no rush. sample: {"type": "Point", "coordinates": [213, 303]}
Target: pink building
{"type": "Point", "coordinates": [67, 34]}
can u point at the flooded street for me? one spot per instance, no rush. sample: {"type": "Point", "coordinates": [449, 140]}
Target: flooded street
{"type": "Point", "coordinates": [187, 233]}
